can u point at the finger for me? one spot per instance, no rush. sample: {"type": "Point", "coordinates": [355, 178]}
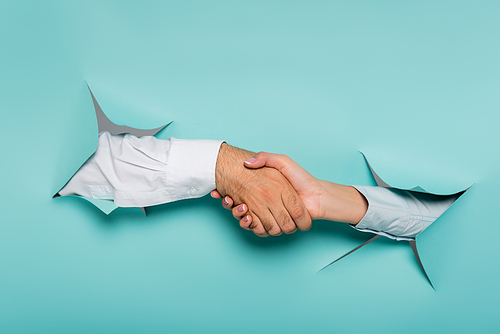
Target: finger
{"type": "Point", "coordinates": [276, 161]}
{"type": "Point", "coordinates": [239, 211]}
{"type": "Point", "coordinates": [262, 216]}
{"type": "Point", "coordinates": [286, 166]}
{"type": "Point", "coordinates": [227, 203]}
{"type": "Point", "coordinates": [257, 227]}
{"type": "Point", "coordinates": [297, 210]}
{"type": "Point", "coordinates": [215, 194]}
{"type": "Point", "coordinates": [270, 224]}
{"type": "Point", "coordinates": [245, 222]}
{"type": "Point", "coordinates": [262, 235]}
{"type": "Point", "coordinates": [285, 222]}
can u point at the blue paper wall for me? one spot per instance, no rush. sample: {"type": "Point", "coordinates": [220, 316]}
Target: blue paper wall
{"type": "Point", "coordinates": [414, 85]}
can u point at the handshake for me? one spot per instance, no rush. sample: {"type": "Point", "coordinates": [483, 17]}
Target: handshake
{"type": "Point", "coordinates": [270, 193]}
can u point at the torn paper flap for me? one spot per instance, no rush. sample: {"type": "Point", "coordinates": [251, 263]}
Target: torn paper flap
{"type": "Point", "coordinates": [432, 185]}
{"type": "Point", "coordinates": [105, 124]}
{"type": "Point", "coordinates": [450, 200]}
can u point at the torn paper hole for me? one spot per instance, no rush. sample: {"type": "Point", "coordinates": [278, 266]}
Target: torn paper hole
{"type": "Point", "coordinates": [412, 241]}
{"type": "Point", "coordinates": [99, 195]}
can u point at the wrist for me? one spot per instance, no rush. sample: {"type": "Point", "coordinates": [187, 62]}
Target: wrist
{"type": "Point", "coordinates": [230, 170]}
{"type": "Point", "coordinates": [341, 203]}
{"type": "Point", "coordinates": [323, 200]}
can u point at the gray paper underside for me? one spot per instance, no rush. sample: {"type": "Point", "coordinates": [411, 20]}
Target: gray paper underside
{"type": "Point", "coordinates": [412, 243]}
{"type": "Point", "coordinates": [355, 249]}
{"type": "Point", "coordinates": [377, 178]}
{"type": "Point", "coordinates": [105, 124]}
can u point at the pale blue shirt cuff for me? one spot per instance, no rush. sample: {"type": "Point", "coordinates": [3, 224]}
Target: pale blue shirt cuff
{"type": "Point", "coordinates": [400, 214]}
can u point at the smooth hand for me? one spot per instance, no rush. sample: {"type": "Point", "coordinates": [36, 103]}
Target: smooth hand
{"type": "Point", "coordinates": [271, 204]}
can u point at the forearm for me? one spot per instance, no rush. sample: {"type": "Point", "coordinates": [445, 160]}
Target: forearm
{"type": "Point", "coordinates": [230, 172]}
{"type": "Point", "coordinates": [341, 203]}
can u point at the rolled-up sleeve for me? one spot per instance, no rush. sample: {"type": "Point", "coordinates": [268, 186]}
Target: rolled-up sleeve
{"type": "Point", "coordinates": [400, 214]}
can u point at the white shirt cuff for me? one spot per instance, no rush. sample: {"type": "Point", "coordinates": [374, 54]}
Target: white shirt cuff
{"type": "Point", "coordinates": [190, 173]}
{"type": "Point", "coordinates": [191, 167]}
{"type": "Point", "coordinates": [146, 171]}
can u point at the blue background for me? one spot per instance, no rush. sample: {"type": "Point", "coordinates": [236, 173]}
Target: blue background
{"type": "Point", "coordinates": [414, 85]}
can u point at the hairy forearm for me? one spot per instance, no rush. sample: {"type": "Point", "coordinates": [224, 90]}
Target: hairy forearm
{"type": "Point", "coordinates": [230, 173]}
{"type": "Point", "coordinates": [341, 203]}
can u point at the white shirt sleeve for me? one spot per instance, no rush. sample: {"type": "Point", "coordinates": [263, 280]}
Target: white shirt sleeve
{"type": "Point", "coordinates": [400, 214]}
{"type": "Point", "coordinates": [146, 171]}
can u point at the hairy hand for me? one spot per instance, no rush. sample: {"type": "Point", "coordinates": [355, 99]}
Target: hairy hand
{"type": "Point", "coordinates": [273, 205]}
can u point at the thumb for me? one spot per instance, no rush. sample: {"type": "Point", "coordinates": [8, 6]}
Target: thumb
{"type": "Point", "coordinates": [276, 161]}
{"type": "Point", "coordinates": [300, 179]}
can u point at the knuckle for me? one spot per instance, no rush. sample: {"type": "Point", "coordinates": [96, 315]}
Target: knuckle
{"type": "Point", "coordinates": [287, 223]}
{"type": "Point", "coordinates": [260, 233]}
{"type": "Point", "coordinates": [275, 231]}
{"type": "Point", "coordinates": [289, 229]}
{"type": "Point", "coordinates": [297, 212]}
{"type": "Point", "coordinates": [284, 159]}
{"type": "Point", "coordinates": [254, 225]}
{"type": "Point", "coordinates": [293, 200]}
{"type": "Point", "coordinates": [268, 225]}
{"type": "Point", "coordinates": [257, 228]}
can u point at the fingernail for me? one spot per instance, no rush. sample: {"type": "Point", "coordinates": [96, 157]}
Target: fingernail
{"type": "Point", "coordinates": [250, 161]}
{"type": "Point", "coordinates": [247, 218]}
{"type": "Point", "coordinates": [225, 201]}
{"type": "Point", "coordinates": [241, 208]}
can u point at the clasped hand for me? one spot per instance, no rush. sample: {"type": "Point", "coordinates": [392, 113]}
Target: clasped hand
{"type": "Point", "coordinates": [270, 193]}
{"type": "Point", "coordinates": [270, 203]}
